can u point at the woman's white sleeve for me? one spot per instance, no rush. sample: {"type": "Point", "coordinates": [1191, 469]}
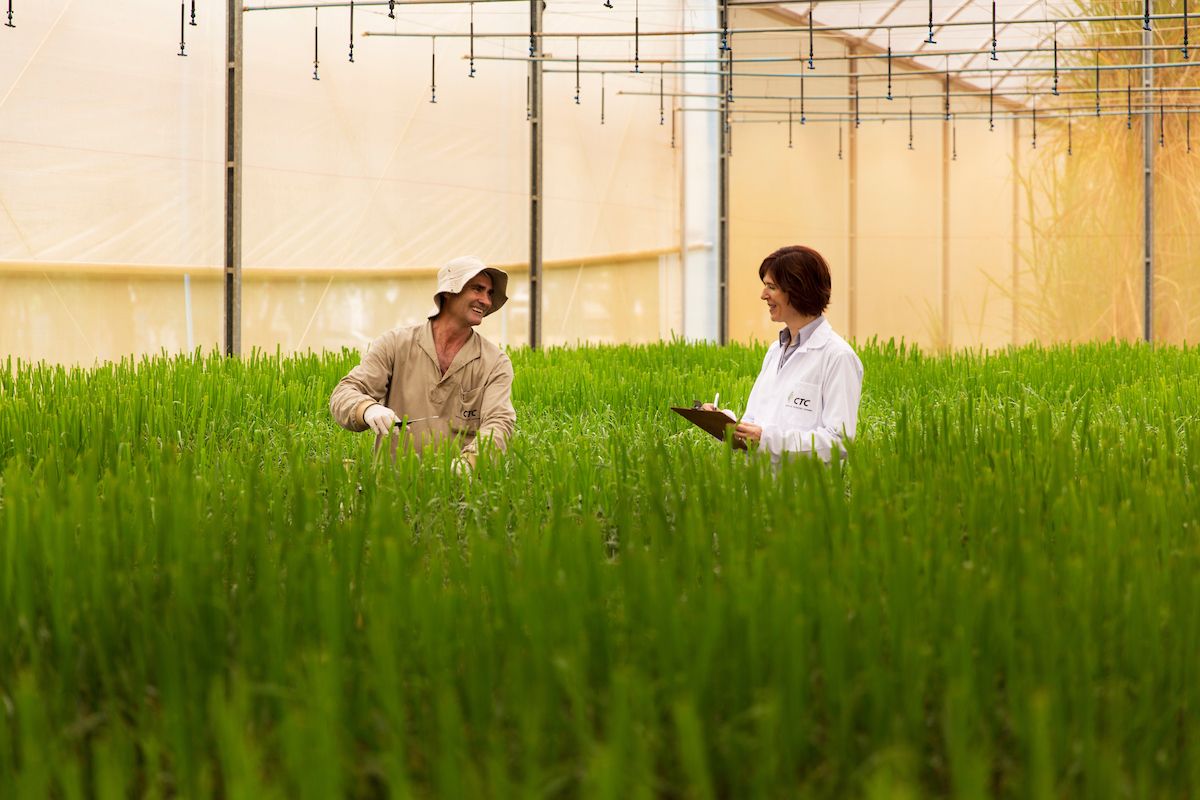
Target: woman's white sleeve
{"type": "Point", "coordinates": [749, 415]}
{"type": "Point", "coordinates": [840, 393]}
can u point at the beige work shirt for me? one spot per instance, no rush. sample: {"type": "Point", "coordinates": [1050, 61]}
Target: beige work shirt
{"type": "Point", "coordinates": [472, 401]}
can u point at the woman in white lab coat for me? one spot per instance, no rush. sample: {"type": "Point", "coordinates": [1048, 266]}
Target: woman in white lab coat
{"type": "Point", "coordinates": [806, 396]}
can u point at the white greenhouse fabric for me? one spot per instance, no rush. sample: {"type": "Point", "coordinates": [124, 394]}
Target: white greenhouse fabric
{"type": "Point", "coordinates": [112, 146]}
{"type": "Point", "coordinates": [950, 41]}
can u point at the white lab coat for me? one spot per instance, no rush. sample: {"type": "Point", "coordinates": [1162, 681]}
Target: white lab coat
{"type": "Point", "coordinates": [812, 403]}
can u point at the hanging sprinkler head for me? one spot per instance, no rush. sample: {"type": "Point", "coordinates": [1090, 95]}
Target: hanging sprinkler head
{"type": "Point", "coordinates": [193, 22]}
{"type": "Point", "coordinates": [1162, 122]}
{"type": "Point", "coordinates": [802, 115]}
{"type": "Point", "coordinates": [9, 24]}
{"type": "Point", "coordinates": [1129, 104]}
{"type": "Point", "coordinates": [947, 88]}
{"type": "Point", "coordinates": [1035, 122]}
{"type": "Point", "coordinates": [662, 120]}
{"type": "Point", "coordinates": [991, 103]}
{"type": "Point", "coordinates": [637, 67]}
{"type": "Point", "coordinates": [391, 9]}
{"type": "Point", "coordinates": [811, 65]}
{"type": "Point", "coordinates": [889, 65]}
{"type": "Point", "coordinates": [994, 58]}
{"type": "Point", "coordinates": [351, 31]}
{"type": "Point", "coordinates": [471, 73]}
{"type": "Point", "coordinates": [1184, 49]}
{"type": "Point", "coordinates": [602, 93]}
{"type": "Point", "coordinates": [182, 21]}
{"type": "Point", "coordinates": [910, 124]}
{"type": "Point", "coordinates": [1054, 89]}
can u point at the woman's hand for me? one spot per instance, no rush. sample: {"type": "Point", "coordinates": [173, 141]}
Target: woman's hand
{"type": "Point", "coordinates": [746, 433]}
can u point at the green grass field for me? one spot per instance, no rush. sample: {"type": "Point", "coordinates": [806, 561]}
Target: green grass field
{"type": "Point", "coordinates": [208, 589]}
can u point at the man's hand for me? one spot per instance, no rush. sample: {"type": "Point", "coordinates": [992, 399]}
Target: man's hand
{"type": "Point", "coordinates": [380, 419]}
{"type": "Point", "coordinates": [747, 433]}
{"type": "Point", "coordinates": [464, 464]}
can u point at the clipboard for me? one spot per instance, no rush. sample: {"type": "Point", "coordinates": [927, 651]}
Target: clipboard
{"type": "Point", "coordinates": [714, 422]}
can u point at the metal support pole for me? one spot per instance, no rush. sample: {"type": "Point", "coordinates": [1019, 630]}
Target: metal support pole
{"type": "Point", "coordinates": [233, 179]}
{"type": "Point", "coordinates": [1148, 186]}
{"type": "Point", "coordinates": [723, 198]}
{"type": "Point", "coordinates": [852, 189]}
{"type": "Point", "coordinates": [536, 7]}
{"type": "Point", "coordinates": [1016, 230]}
{"type": "Point", "coordinates": [947, 331]}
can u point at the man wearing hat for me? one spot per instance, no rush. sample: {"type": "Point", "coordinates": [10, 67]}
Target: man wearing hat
{"type": "Point", "coordinates": [446, 379]}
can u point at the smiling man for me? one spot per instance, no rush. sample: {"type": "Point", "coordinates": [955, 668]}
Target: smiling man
{"type": "Point", "coordinates": [447, 380]}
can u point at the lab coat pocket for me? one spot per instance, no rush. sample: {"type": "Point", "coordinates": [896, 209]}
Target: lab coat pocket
{"type": "Point", "coordinates": [802, 404]}
{"type": "Point", "coordinates": [470, 409]}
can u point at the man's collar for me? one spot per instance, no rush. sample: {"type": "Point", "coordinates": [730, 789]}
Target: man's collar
{"type": "Point", "coordinates": [471, 349]}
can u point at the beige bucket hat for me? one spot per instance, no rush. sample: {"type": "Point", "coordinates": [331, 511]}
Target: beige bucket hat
{"type": "Point", "coordinates": [455, 274]}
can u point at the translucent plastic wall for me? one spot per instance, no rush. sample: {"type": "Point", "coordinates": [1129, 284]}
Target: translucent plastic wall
{"type": "Point", "coordinates": [914, 277]}
{"type": "Point", "coordinates": [356, 186]}
{"type": "Point", "coordinates": [977, 235]}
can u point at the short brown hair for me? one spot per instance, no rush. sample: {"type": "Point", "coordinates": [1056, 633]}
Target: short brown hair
{"type": "Point", "coordinates": [803, 274]}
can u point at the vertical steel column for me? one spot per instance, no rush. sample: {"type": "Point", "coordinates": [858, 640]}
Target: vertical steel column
{"type": "Point", "coordinates": [852, 254]}
{"type": "Point", "coordinates": [947, 332]}
{"type": "Point", "coordinates": [1148, 184]}
{"type": "Point", "coordinates": [1016, 229]}
{"type": "Point", "coordinates": [233, 178]}
{"type": "Point", "coordinates": [536, 7]}
{"type": "Point", "coordinates": [723, 194]}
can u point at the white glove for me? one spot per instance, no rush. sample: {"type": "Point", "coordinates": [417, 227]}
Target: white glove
{"type": "Point", "coordinates": [380, 418]}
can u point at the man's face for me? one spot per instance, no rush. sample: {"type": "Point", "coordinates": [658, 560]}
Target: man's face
{"type": "Point", "coordinates": [471, 304]}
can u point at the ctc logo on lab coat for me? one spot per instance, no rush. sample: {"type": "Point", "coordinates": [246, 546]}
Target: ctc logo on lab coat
{"type": "Point", "coordinates": [801, 399]}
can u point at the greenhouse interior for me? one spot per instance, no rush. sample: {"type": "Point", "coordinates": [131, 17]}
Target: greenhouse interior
{"type": "Point", "coordinates": [599, 398]}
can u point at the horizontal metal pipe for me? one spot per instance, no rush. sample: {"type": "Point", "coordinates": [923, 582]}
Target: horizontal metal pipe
{"type": "Point", "coordinates": [1074, 112]}
{"type": "Point", "coordinates": [848, 117]}
{"type": "Point", "coordinates": [779, 29]}
{"type": "Point", "coordinates": [799, 58]}
{"type": "Point", "coordinates": [975, 95]}
{"type": "Point", "coordinates": [862, 77]}
{"type": "Point", "coordinates": [362, 3]}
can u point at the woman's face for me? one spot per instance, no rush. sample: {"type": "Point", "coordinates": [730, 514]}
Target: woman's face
{"type": "Point", "coordinates": [776, 299]}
